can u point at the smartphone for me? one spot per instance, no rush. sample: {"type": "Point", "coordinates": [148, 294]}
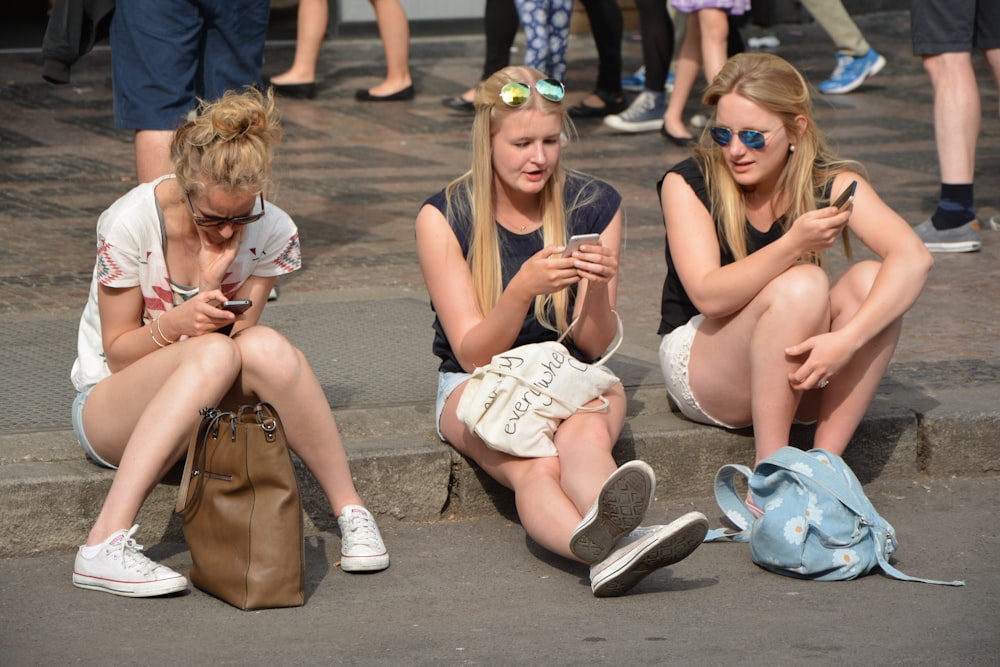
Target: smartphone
{"type": "Point", "coordinates": [578, 240]}
{"type": "Point", "coordinates": [846, 197]}
{"type": "Point", "coordinates": [237, 305]}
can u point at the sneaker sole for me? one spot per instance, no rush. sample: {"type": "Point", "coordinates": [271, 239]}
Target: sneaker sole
{"type": "Point", "coordinates": [686, 534]}
{"type": "Point", "coordinates": [626, 126]}
{"type": "Point", "coordinates": [364, 563]}
{"type": "Point", "coordinates": [621, 505]}
{"type": "Point", "coordinates": [857, 83]}
{"type": "Point", "coordinates": [957, 246]}
{"type": "Point", "coordinates": [125, 589]}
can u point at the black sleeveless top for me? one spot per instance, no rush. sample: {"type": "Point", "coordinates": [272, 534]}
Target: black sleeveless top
{"type": "Point", "coordinates": [675, 305]}
{"type": "Point", "coordinates": [604, 202]}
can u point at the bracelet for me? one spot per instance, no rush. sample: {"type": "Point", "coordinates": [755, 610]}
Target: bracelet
{"type": "Point", "coordinates": [160, 331]}
{"type": "Point", "coordinates": [153, 336]}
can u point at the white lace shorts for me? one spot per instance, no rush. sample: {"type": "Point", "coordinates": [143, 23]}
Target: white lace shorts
{"type": "Point", "coordinates": [675, 353]}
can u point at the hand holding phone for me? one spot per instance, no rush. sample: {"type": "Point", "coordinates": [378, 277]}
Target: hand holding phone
{"type": "Point", "coordinates": [846, 197]}
{"type": "Point", "coordinates": [578, 240]}
{"type": "Point", "coordinates": [237, 306]}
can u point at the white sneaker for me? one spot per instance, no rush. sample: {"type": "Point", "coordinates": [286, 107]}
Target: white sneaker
{"type": "Point", "coordinates": [619, 508]}
{"type": "Point", "coordinates": [121, 568]}
{"type": "Point", "coordinates": [645, 550]}
{"type": "Point", "coordinates": [645, 114]}
{"type": "Point", "coordinates": [361, 546]}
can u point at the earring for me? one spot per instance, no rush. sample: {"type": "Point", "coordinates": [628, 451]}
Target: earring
{"type": "Point", "coordinates": [791, 148]}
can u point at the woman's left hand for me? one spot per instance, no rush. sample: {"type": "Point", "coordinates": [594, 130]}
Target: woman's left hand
{"type": "Point", "coordinates": [825, 355]}
{"type": "Point", "coordinates": [216, 256]}
{"type": "Point", "coordinates": [596, 264]}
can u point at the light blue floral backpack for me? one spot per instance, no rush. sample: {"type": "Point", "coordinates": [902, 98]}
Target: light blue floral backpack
{"type": "Point", "coordinates": [817, 523]}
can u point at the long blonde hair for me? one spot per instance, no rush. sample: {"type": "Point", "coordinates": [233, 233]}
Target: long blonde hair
{"type": "Point", "coordinates": [229, 143]}
{"type": "Point", "coordinates": [774, 85]}
{"type": "Point", "coordinates": [479, 200]}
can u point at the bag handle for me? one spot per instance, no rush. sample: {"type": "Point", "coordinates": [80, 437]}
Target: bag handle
{"type": "Point", "coordinates": [197, 449]}
{"type": "Point", "coordinates": [730, 503]}
{"type": "Point", "coordinates": [615, 344]}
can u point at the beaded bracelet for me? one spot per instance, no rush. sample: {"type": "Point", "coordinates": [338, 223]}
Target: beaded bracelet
{"type": "Point", "coordinates": [160, 331]}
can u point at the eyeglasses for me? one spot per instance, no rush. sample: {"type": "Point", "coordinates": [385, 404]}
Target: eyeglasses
{"type": "Point", "coordinates": [752, 139]}
{"type": "Point", "coordinates": [212, 221]}
{"type": "Point", "coordinates": [515, 93]}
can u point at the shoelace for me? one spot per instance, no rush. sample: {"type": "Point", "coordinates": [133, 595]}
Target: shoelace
{"type": "Point", "coordinates": [362, 528]}
{"type": "Point", "coordinates": [129, 552]}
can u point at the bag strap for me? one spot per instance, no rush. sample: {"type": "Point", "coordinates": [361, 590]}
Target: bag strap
{"type": "Point", "coordinates": [615, 344]}
{"type": "Point", "coordinates": [196, 449]}
{"type": "Point", "coordinates": [731, 504]}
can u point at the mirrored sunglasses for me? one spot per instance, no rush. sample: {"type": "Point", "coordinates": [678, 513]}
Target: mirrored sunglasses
{"type": "Point", "coordinates": [515, 93]}
{"type": "Point", "coordinates": [752, 139]}
{"type": "Point", "coordinates": [211, 221]}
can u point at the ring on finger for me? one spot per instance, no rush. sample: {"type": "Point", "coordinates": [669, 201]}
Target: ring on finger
{"type": "Point", "coordinates": [822, 383]}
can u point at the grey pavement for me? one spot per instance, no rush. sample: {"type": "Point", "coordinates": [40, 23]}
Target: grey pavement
{"type": "Point", "coordinates": [463, 588]}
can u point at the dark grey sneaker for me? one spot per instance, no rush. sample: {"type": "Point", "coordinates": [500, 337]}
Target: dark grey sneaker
{"type": "Point", "coordinates": [619, 508]}
{"type": "Point", "coordinates": [959, 239]}
{"type": "Point", "coordinates": [645, 550]}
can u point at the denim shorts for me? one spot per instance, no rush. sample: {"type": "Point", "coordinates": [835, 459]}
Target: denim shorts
{"type": "Point", "coordinates": [81, 437]}
{"type": "Point", "coordinates": [447, 383]}
{"type": "Point", "coordinates": [168, 53]}
{"type": "Point", "coordinates": [675, 353]}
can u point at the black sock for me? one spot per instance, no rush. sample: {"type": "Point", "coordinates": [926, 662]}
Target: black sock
{"type": "Point", "coordinates": [955, 208]}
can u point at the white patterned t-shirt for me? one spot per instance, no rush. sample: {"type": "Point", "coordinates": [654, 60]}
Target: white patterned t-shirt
{"type": "Point", "coordinates": [130, 253]}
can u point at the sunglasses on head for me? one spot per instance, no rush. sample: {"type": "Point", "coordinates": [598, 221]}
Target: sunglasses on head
{"type": "Point", "coordinates": [515, 93]}
{"type": "Point", "coordinates": [212, 221]}
{"type": "Point", "coordinates": [752, 139]}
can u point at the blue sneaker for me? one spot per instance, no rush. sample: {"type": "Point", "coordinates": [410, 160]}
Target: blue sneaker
{"type": "Point", "coordinates": [851, 72]}
{"type": "Point", "coordinates": [636, 82]}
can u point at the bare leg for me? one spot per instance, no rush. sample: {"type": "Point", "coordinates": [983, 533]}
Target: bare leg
{"type": "Point", "coordinates": [738, 369]}
{"type": "Point", "coordinates": [551, 493]}
{"type": "Point", "coordinates": [844, 402]}
{"type": "Point", "coordinates": [311, 26]}
{"type": "Point", "coordinates": [714, 25]}
{"type": "Point", "coordinates": [688, 66]}
{"type": "Point", "coordinates": [957, 114]}
{"type": "Point", "coordinates": [152, 155]}
{"type": "Point", "coordinates": [394, 29]}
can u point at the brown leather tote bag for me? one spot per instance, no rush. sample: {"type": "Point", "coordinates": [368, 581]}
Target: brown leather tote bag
{"type": "Point", "coordinates": [241, 510]}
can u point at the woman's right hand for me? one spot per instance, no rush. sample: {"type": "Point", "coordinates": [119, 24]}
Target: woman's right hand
{"type": "Point", "coordinates": [819, 229]}
{"type": "Point", "coordinates": [199, 315]}
{"type": "Point", "coordinates": [546, 272]}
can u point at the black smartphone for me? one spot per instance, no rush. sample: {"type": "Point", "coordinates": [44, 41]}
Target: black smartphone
{"type": "Point", "coordinates": [237, 305]}
{"type": "Point", "coordinates": [578, 240]}
{"type": "Point", "coordinates": [846, 197]}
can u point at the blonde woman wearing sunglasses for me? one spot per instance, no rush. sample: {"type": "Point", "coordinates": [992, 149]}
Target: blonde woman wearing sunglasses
{"type": "Point", "coordinates": [155, 346]}
{"type": "Point", "coordinates": [754, 332]}
{"type": "Point", "coordinates": [491, 248]}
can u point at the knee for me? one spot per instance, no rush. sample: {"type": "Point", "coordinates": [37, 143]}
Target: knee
{"type": "Point", "coordinates": [264, 349]}
{"type": "Point", "coordinates": [801, 289]}
{"type": "Point", "coordinates": [852, 288]}
{"type": "Point", "coordinates": [214, 355]}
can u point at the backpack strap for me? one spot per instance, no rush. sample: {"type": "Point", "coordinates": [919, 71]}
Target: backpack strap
{"type": "Point", "coordinates": [731, 504]}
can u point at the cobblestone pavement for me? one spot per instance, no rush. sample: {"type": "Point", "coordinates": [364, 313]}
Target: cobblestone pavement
{"type": "Point", "coordinates": [354, 175]}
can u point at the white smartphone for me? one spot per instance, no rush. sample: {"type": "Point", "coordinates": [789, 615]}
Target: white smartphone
{"type": "Point", "coordinates": [578, 240]}
{"type": "Point", "coordinates": [237, 305]}
{"type": "Point", "coordinates": [846, 197]}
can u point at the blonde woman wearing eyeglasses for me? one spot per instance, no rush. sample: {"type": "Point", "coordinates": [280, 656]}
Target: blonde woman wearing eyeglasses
{"type": "Point", "coordinates": [491, 250]}
{"type": "Point", "coordinates": [155, 346]}
{"type": "Point", "coordinates": [755, 333]}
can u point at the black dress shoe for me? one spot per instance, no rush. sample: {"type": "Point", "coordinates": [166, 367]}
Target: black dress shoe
{"type": "Point", "coordinates": [683, 142]}
{"type": "Point", "coordinates": [613, 103]}
{"type": "Point", "coordinates": [458, 104]}
{"type": "Point", "coordinates": [301, 91]}
{"type": "Point", "coordinates": [404, 94]}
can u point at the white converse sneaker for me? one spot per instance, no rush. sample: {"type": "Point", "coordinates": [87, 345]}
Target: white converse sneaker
{"type": "Point", "coordinates": [644, 550]}
{"type": "Point", "coordinates": [121, 568]}
{"type": "Point", "coordinates": [361, 546]}
{"type": "Point", "coordinates": [619, 508]}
